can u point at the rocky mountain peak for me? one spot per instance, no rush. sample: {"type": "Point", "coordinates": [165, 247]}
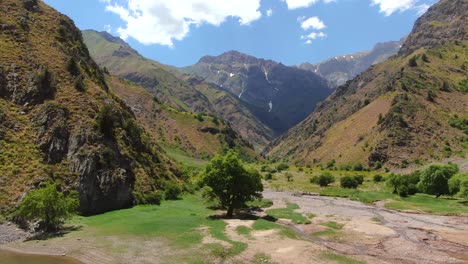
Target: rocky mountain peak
{"type": "Point", "coordinates": [444, 22]}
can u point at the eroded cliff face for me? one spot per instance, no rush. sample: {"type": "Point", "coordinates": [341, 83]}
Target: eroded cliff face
{"type": "Point", "coordinates": [59, 121]}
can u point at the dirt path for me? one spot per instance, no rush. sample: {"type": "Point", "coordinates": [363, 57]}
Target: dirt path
{"type": "Point", "coordinates": [389, 236]}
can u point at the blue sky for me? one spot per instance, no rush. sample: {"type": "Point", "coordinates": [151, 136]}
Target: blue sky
{"type": "Point", "coordinates": [179, 32]}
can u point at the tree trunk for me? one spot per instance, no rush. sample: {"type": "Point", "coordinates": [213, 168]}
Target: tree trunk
{"type": "Point", "coordinates": [230, 211]}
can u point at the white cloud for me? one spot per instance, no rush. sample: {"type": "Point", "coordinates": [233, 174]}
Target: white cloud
{"type": "Point", "coordinates": [313, 22]}
{"type": "Point", "coordinates": [108, 28]}
{"type": "Point", "coordinates": [312, 36]}
{"type": "Point", "coordinates": [295, 4]}
{"type": "Point", "coordinates": [315, 35]}
{"type": "Point", "coordinates": [162, 22]}
{"type": "Point", "coordinates": [388, 7]}
{"type": "Point", "coordinates": [269, 12]}
{"type": "Point", "coordinates": [421, 9]}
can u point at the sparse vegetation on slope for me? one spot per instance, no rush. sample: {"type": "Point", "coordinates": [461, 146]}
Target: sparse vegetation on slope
{"type": "Point", "coordinates": [183, 93]}
{"type": "Point", "coordinates": [87, 139]}
{"type": "Point", "coordinates": [405, 111]}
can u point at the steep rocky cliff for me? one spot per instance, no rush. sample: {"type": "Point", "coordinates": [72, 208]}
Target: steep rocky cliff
{"type": "Point", "coordinates": [280, 96]}
{"type": "Point", "coordinates": [58, 120]}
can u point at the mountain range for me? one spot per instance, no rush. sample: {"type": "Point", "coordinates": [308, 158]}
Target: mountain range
{"type": "Point", "coordinates": [340, 69]}
{"type": "Point", "coordinates": [88, 111]}
{"type": "Point", "coordinates": [410, 109]}
{"type": "Point", "coordinates": [167, 85]}
{"type": "Point", "coordinates": [278, 95]}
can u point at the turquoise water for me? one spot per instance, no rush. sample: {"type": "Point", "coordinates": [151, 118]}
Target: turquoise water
{"type": "Point", "coordinates": [8, 257]}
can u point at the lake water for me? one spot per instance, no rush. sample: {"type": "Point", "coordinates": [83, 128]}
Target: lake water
{"type": "Point", "coordinates": [8, 257]}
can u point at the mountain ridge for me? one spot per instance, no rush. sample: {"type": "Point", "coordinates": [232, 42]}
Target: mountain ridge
{"type": "Point", "coordinates": [280, 96]}
{"type": "Point", "coordinates": [403, 111]}
{"type": "Point", "coordinates": [173, 88]}
{"type": "Point", "coordinates": [339, 69]}
{"type": "Point", "coordinates": [60, 122]}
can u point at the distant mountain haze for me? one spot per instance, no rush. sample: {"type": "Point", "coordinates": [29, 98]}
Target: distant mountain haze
{"type": "Point", "coordinates": [340, 69]}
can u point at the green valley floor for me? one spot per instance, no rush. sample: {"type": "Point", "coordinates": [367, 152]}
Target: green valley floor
{"type": "Point", "coordinates": [308, 229]}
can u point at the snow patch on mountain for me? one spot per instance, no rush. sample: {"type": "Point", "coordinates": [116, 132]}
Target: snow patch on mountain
{"type": "Point", "coordinates": [242, 92]}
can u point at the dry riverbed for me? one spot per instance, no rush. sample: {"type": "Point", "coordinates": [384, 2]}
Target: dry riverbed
{"type": "Point", "coordinates": [340, 230]}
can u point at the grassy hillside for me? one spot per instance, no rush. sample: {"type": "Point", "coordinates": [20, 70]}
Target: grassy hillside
{"type": "Point", "coordinates": [409, 110]}
{"type": "Point", "coordinates": [191, 134]}
{"type": "Point", "coordinates": [59, 120]}
{"type": "Point", "coordinates": [174, 89]}
{"type": "Point", "coordinates": [393, 113]}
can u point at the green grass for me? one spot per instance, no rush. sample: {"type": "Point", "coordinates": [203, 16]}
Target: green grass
{"type": "Point", "coordinates": [185, 159]}
{"type": "Point", "coordinates": [357, 195]}
{"type": "Point", "coordinates": [243, 230]}
{"type": "Point", "coordinates": [333, 225]}
{"type": "Point", "coordinates": [311, 216]}
{"type": "Point", "coordinates": [370, 192]}
{"type": "Point", "coordinates": [429, 204]}
{"type": "Point", "coordinates": [288, 213]}
{"type": "Point", "coordinates": [340, 258]}
{"type": "Point", "coordinates": [178, 221]}
{"type": "Point", "coordinates": [262, 224]}
{"type": "Point", "coordinates": [376, 219]}
{"type": "Point", "coordinates": [263, 203]}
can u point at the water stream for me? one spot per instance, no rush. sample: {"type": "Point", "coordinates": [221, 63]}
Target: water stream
{"type": "Point", "coordinates": [9, 257]}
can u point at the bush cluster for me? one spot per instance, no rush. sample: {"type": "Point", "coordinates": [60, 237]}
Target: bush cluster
{"type": "Point", "coordinates": [323, 179]}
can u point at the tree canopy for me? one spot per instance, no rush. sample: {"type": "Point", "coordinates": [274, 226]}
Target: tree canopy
{"type": "Point", "coordinates": [231, 183]}
{"type": "Point", "coordinates": [434, 179]}
{"type": "Point", "coordinates": [49, 206]}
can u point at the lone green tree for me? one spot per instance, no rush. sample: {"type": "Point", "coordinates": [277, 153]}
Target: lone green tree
{"type": "Point", "coordinates": [231, 183]}
{"type": "Point", "coordinates": [434, 179]}
{"type": "Point", "coordinates": [49, 206]}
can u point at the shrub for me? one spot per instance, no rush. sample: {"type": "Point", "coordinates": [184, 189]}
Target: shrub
{"type": "Point", "coordinates": [377, 165]}
{"type": "Point", "coordinates": [79, 85]}
{"type": "Point", "coordinates": [171, 190]}
{"type": "Point", "coordinates": [49, 206]}
{"type": "Point", "coordinates": [378, 178]}
{"type": "Point", "coordinates": [413, 61]}
{"type": "Point", "coordinates": [331, 164]}
{"type": "Point", "coordinates": [282, 167]}
{"type": "Point", "coordinates": [458, 185]}
{"type": "Point", "coordinates": [323, 179]}
{"type": "Point", "coordinates": [106, 120]}
{"type": "Point", "coordinates": [154, 197]}
{"type": "Point", "coordinates": [403, 191]}
{"type": "Point", "coordinates": [289, 176]}
{"type": "Point", "coordinates": [72, 67]}
{"type": "Point", "coordinates": [425, 58]}
{"type": "Point", "coordinates": [358, 167]}
{"type": "Point", "coordinates": [434, 179]}
{"type": "Point", "coordinates": [268, 176]}
{"type": "Point", "coordinates": [265, 168]}
{"type": "Point", "coordinates": [431, 96]}
{"type": "Point", "coordinates": [359, 178]}
{"type": "Point", "coordinates": [348, 182]}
